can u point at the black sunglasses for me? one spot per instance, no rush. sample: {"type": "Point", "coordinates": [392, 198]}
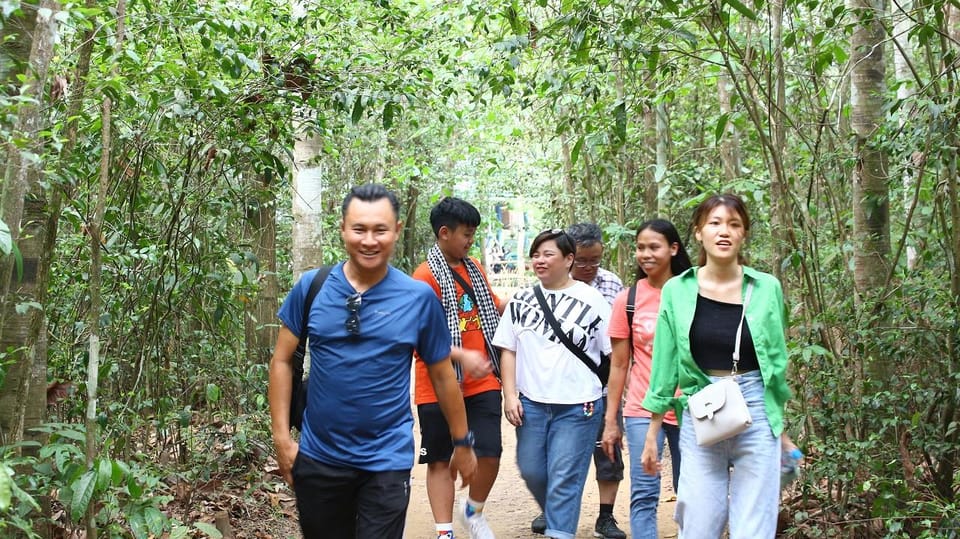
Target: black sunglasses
{"type": "Point", "coordinates": [352, 324]}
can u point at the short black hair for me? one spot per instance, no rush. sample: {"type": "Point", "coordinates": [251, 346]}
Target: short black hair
{"type": "Point", "coordinates": [370, 192]}
{"type": "Point", "coordinates": [563, 240]}
{"type": "Point", "coordinates": [452, 212]}
{"type": "Point", "coordinates": [585, 234]}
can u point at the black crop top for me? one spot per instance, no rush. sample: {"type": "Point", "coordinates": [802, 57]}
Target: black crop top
{"type": "Point", "coordinates": [712, 333]}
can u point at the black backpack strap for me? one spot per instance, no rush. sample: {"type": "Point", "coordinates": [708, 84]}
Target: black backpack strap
{"type": "Point", "coordinates": [548, 316]}
{"type": "Point", "coordinates": [631, 307]}
{"type": "Point", "coordinates": [315, 285]}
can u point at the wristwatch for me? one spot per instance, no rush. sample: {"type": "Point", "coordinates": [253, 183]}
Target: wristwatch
{"type": "Point", "coordinates": [466, 441]}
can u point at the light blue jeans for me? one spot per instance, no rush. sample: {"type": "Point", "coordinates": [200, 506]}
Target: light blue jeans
{"type": "Point", "coordinates": [710, 494]}
{"type": "Point", "coordinates": [644, 488]}
{"type": "Point", "coordinates": [554, 448]}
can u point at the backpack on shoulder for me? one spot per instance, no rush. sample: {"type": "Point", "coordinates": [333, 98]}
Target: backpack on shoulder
{"type": "Point", "coordinates": [298, 394]}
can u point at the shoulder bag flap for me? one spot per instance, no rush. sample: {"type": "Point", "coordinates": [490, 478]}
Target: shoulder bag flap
{"type": "Point", "coordinates": [709, 400]}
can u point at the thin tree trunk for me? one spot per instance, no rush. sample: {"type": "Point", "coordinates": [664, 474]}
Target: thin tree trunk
{"type": "Point", "coordinates": [650, 190]}
{"type": "Point", "coordinates": [260, 316]}
{"type": "Point", "coordinates": [902, 58]}
{"type": "Point", "coordinates": [730, 143]}
{"type": "Point", "coordinates": [566, 203]}
{"type": "Point", "coordinates": [95, 228]}
{"type": "Point", "coordinates": [307, 207]}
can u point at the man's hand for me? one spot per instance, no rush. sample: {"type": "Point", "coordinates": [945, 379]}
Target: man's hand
{"type": "Point", "coordinates": [464, 461]}
{"type": "Point", "coordinates": [286, 453]}
{"type": "Point", "coordinates": [474, 362]}
{"type": "Point", "coordinates": [612, 437]}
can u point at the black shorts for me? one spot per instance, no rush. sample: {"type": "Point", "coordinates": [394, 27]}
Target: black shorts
{"type": "Point", "coordinates": [608, 470]}
{"type": "Point", "coordinates": [483, 417]}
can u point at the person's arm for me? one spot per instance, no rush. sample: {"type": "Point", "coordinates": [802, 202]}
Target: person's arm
{"type": "Point", "coordinates": [512, 408]}
{"type": "Point", "coordinates": [279, 392]}
{"type": "Point", "coordinates": [649, 459]}
{"type": "Point", "coordinates": [474, 362]}
{"type": "Point", "coordinates": [619, 366]}
{"type": "Point", "coordinates": [450, 398]}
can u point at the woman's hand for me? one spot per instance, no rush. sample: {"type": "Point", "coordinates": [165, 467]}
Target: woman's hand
{"type": "Point", "coordinates": [513, 409]}
{"type": "Point", "coordinates": [649, 460]}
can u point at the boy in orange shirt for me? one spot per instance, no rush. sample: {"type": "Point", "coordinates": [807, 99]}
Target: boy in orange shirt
{"type": "Point", "coordinates": [473, 311]}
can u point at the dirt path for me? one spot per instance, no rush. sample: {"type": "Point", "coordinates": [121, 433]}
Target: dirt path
{"type": "Point", "coordinates": [510, 507]}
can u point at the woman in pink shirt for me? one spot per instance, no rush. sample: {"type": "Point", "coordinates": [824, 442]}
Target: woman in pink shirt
{"type": "Point", "coordinates": [660, 255]}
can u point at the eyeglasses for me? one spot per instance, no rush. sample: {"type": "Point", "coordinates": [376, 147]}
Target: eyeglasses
{"type": "Point", "coordinates": [352, 324]}
{"type": "Point", "coordinates": [554, 231]}
{"type": "Point", "coordinates": [581, 264]}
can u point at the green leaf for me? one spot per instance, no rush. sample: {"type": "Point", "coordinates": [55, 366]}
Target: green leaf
{"type": "Point", "coordinates": [6, 490]}
{"type": "Point", "coordinates": [575, 153]}
{"type": "Point", "coordinates": [104, 474]}
{"type": "Point", "coordinates": [83, 489]}
{"type": "Point", "coordinates": [23, 308]}
{"type": "Point", "coordinates": [155, 520]}
{"type": "Point", "coordinates": [744, 10]}
{"type": "Point", "coordinates": [388, 115]}
{"type": "Point", "coordinates": [213, 393]}
{"type": "Point", "coordinates": [209, 529]}
{"type": "Point", "coordinates": [6, 240]}
{"type": "Point", "coordinates": [620, 116]}
{"type": "Point", "coordinates": [721, 127]}
{"type": "Point", "coordinates": [357, 110]}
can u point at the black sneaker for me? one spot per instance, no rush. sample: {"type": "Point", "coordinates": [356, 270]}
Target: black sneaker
{"type": "Point", "coordinates": [539, 524]}
{"type": "Point", "coordinates": [606, 528]}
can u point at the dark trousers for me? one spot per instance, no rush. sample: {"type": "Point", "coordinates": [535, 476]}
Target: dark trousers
{"type": "Point", "coordinates": [345, 503]}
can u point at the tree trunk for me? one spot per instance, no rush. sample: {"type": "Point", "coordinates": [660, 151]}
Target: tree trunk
{"type": "Point", "coordinates": [307, 207]}
{"type": "Point", "coordinates": [902, 58]}
{"type": "Point", "coordinates": [663, 147]}
{"type": "Point", "coordinates": [730, 143]}
{"type": "Point", "coordinates": [870, 196]}
{"type": "Point", "coordinates": [566, 201]}
{"type": "Point", "coordinates": [260, 318]}
{"type": "Point", "coordinates": [24, 206]}
{"type": "Point", "coordinates": [16, 35]}
{"type": "Point", "coordinates": [650, 191]}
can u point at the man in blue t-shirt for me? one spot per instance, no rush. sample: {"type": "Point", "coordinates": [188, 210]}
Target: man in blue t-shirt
{"type": "Point", "coordinates": [351, 469]}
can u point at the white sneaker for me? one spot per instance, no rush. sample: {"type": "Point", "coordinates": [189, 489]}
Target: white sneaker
{"type": "Point", "coordinates": [476, 525]}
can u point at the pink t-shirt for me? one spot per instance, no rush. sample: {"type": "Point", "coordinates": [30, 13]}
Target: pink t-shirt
{"type": "Point", "coordinates": [646, 308]}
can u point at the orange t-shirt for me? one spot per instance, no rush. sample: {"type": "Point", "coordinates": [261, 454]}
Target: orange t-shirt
{"type": "Point", "coordinates": [471, 336]}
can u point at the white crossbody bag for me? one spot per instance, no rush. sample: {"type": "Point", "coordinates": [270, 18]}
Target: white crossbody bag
{"type": "Point", "coordinates": [719, 410]}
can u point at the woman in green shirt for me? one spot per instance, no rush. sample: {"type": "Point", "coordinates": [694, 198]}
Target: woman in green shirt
{"type": "Point", "coordinates": [700, 312]}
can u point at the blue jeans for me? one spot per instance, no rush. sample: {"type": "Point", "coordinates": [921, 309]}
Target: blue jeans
{"type": "Point", "coordinates": [644, 488]}
{"type": "Point", "coordinates": [710, 494]}
{"type": "Point", "coordinates": [554, 447]}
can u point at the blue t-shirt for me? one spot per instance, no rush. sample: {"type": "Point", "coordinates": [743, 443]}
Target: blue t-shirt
{"type": "Point", "coordinates": [358, 402]}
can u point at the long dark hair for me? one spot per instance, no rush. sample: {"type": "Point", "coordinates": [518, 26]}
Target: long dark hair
{"type": "Point", "coordinates": [679, 262]}
{"type": "Point", "coordinates": [733, 203]}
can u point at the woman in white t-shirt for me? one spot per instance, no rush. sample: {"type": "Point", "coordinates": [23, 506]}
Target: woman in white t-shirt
{"type": "Point", "coordinates": [660, 255]}
{"type": "Point", "coordinates": [549, 394]}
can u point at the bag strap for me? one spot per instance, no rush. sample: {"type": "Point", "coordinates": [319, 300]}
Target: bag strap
{"type": "Point", "coordinates": [736, 344]}
{"type": "Point", "coordinates": [548, 315]}
{"type": "Point", "coordinates": [315, 285]}
{"type": "Point", "coordinates": [473, 296]}
{"type": "Point", "coordinates": [631, 307]}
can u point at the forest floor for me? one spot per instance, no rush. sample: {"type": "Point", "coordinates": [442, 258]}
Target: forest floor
{"type": "Point", "coordinates": [269, 512]}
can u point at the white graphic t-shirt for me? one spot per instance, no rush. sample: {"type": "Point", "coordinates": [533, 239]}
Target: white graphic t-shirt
{"type": "Point", "coordinates": [547, 371]}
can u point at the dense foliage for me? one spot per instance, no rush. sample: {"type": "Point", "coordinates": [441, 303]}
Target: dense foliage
{"type": "Point", "coordinates": [569, 109]}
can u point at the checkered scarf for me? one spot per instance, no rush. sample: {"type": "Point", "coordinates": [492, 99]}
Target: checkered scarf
{"type": "Point", "coordinates": [448, 297]}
